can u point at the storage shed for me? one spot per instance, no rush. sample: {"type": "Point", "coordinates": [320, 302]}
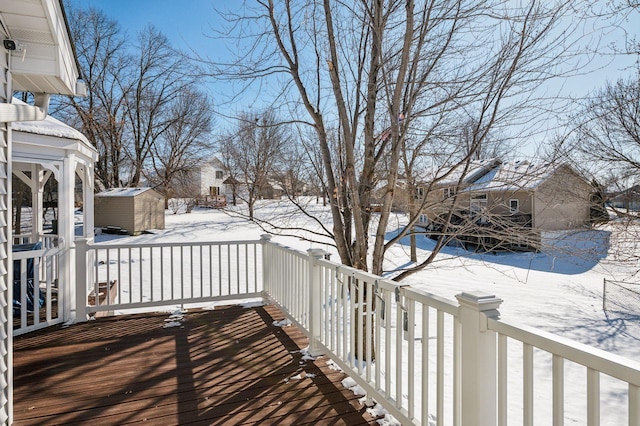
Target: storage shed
{"type": "Point", "coordinates": [133, 209]}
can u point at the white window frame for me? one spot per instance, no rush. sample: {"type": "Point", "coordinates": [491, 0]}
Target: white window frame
{"type": "Point", "coordinates": [478, 206]}
{"type": "Point", "coordinates": [449, 192]}
{"type": "Point", "coordinates": [513, 210]}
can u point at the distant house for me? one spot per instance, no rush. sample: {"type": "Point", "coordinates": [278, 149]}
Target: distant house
{"type": "Point", "coordinates": [133, 210]}
{"type": "Point", "coordinates": [270, 190]}
{"type": "Point", "coordinates": [627, 199]}
{"type": "Point", "coordinates": [506, 204]}
{"type": "Point", "coordinates": [210, 177]}
{"type": "Point", "coordinates": [289, 184]}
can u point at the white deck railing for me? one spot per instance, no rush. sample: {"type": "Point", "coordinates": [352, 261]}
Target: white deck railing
{"type": "Point", "coordinates": [154, 275]}
{"type": "Point", "coordinates": [427, 360]}
{"type": "Point", "coordinates": [36, 300]}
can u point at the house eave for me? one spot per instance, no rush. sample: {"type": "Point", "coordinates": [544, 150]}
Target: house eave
{"type": "Point", "coordinates": [43, 60]}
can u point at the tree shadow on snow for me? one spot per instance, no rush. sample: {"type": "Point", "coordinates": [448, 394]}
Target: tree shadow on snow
{"type": "Point", "coordinates": [569, 253]}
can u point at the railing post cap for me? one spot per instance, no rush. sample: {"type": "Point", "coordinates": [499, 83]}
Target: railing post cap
{"type": "Point", "coordinates": [265, 237]}
{"type": "Point", "coordinates": [316, 252]}
{"type": "Point", "coordinates": [479, 300]}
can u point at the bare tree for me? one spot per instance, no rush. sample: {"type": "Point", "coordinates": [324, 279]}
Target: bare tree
{"type": "Point", "coordinates": [157, 80]}
{"type": "Point", "coordinates": [376, 71]}
{"type": "Point", "coordinates": [100, 48]}
{"type": "Point", "coordinates": [252, 154]}
{"type": "Point", "coordinates": [184, 144]}
{"type": "Point", "coordinates": [609, 131]}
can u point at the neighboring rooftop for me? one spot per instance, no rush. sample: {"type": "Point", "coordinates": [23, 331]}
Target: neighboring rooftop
{"type": "Point", "coordinates": [494, 174]}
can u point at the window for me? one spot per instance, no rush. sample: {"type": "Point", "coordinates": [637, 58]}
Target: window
{"type": "Point", "coordinates": [419, 192]}
{"type": "Point", "coordinates": [478, 206]}
{"type": "Point", "coordinates": [514, 206]}
{"type": "Point", "coordinates": [214, 190]}
{"type": "Point", "coordinates": [423, 220]}
{"type": "Point", "coordinates": [218, 174]}
{"type": "Point", "coordinates": [449, 192]}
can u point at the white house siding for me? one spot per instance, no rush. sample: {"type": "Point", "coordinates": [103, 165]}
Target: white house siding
{"type": "Point", "coordinates": [206, 176]}
{"type": "Point", "coordinates": [6, 324]}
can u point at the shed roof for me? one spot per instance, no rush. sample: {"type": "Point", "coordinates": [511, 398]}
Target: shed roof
{"type": "Point", "coordinates": [124, 192]}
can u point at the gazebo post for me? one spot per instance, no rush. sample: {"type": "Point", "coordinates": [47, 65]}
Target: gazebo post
{"type": "Point", "coordinates": [37, 208]}
{"type": "Point", "coordinates": [66, 231]}
{"type": "Point", "coordinates": [85, 171]}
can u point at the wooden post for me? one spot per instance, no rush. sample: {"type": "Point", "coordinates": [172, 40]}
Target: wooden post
{"type": "Point", "coordinates": [479, 359]}
{"type": "Point", "coordinates": [315, 302]}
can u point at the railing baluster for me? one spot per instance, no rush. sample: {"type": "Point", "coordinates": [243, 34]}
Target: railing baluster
{"type": "Point", "coordinates": [378, 336]}
{"type": "Point", "coordinates": [369, 328]}
{"type": "Point", "coordinates": [634, 405]}
{"type": "Point", "coordinates": [360, 321]}
{"type": "Point", "coordinates": [96, 285]}
{"type": "Point", "coordinates": [219, 270]}
{"type": "Point", "coordinates": [340, 330]}
{"type": "Point", "coordinates": [398, 361]}
{"type": "Point", "coordinates": [162, 272]}
{"type": "Point", "coordinates": [188, 276]}
{"type": "Point", "coordinates": [502, 380]}
{"type": "Point", "coordinates": [558, 390]}
{"type": "Point", "coordinates": [36, 290]}
{"type": "Point", "coordinates": [527, 367]}
{"type": "Point", "coordinates": [171, 286]}
{"type": "Point", "coordinates": [440, 369]}
{"type": "Point", "coordinates": [387, 344]}
{"type": "Point", "coordinates": [593, 397]}
{"type": "Point", "coordinates": [424, 383]}
{"type": "Point", "coordinates": [141, 274]}
{"type": "Point", "coordinates": [411, 360]}
{"type": "Point", "coordinates": [151, 269]}
{"type": "Point", "coordinates": [457, 371]}
{"type": "Point", "coordinates": [228, 269]}
{"type": "Point", "coordinates": [181, 283]}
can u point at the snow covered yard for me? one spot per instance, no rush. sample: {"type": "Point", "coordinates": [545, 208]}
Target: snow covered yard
{"type": "Point", "coordinates": [559, 292]}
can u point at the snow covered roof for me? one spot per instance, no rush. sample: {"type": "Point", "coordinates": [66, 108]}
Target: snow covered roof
{"type": "Point", "coordinates": [48, 127]}
{"type": "Point", "coordinates": [512, 176]}
{"type": "Point", "coordinates": [123, 192]}
{"type": "Point", "coordinates": [495, 175]}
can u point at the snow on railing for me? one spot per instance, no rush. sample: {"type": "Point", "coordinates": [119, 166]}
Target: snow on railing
{"type": "Point", "coordinates": [166, 274]}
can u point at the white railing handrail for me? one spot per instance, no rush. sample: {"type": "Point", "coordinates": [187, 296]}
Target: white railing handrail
{"type": "Point", "coordinates": [114, 245]}
{"type": "Point", "coordinates": [605, 362]}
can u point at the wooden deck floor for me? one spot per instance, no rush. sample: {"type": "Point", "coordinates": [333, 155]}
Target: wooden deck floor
{"type": "Point", "coordinates": [230, 366]}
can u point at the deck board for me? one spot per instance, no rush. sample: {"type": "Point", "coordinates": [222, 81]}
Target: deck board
{"type": "Point", "coordinates": [229, 366]}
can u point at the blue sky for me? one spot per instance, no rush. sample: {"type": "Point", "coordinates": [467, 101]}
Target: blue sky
{"type": "Point", "coordinates": [187, 22]}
